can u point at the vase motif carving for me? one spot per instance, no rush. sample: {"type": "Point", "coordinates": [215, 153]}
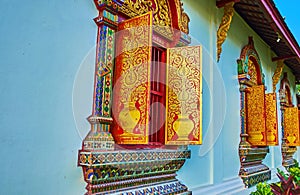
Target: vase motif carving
{"type": "Point", "coordinates": [183, 127]}
{"type": "Point", "coordinates": [129, 117]}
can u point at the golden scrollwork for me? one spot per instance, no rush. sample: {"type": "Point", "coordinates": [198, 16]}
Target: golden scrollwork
{"type": "Point", "coordinates": [183, 94]}
{"type": "Point", "coordinates": [183, 18]}
{"type": "Point", "coordinates": [224, 27]}
{"type": "Point", "coordinates": [133, 79]}
{"type": "Point", "coordinates": [277, 73]}
{"type": "Point", "coordinates": [271, 119]}
{"type": "Point", "coordinates": [291, 126]}
{"type": "Point", "coordinates": [135, 8]}
{"type": "Point", "coordinates": [252, 72]}
{"type": "Point", "coordinates": [160, 9]}
{"type": "Point", "coordinates": [256, 123]}
{"type": "Point", "coordinates": [162, 18]}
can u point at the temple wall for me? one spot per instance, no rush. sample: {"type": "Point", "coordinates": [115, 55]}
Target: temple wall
{"type": "Point", "coordinates": [223, 167]}
{"type": "Point", "coordinates": [43, 45]}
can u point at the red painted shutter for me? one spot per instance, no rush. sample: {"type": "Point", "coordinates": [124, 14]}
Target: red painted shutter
{"type": "Point", "coordinates": [132, 85]}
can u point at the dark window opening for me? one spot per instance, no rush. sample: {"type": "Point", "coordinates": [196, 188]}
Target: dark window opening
{"type": "Point", "coordinates": [157, 97]}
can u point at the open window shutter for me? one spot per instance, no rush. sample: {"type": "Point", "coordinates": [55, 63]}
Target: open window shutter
{"type": "Point", "coordinates": [132, 84]}
{"type": "Point", "coordinates": [256, 124]}
{"type": "Point", "coordinates": [291, 126]}
{"type": "Point", "coordinates": [271, 119]}
{"type": "Point", "coordinates": [184, 96]}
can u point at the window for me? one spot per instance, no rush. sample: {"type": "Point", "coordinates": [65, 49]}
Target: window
{"type": "Point", "coordinates": [157, 96]}
{"type": "Point", "coordinates": [146, 84]}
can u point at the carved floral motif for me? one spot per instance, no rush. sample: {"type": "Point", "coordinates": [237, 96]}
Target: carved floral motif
{"type": "Point", "coordinates": [277, 74]}
{"type": "Point", "coordinates": [133, 79]}
{"type": "Point", "coordinates": [183, 18]}
{"type": "Point", "coordinates": [183, 107]}
{"type": "Point", "coordinates": [224, 27]}
{"type": "Point", "coordinates": [256, 125]}
{"type": "Point", "coordinates": [291, 126]}
{"type": "Point", "coordinates": [160, 9]}
{"type": "Point", "coordinates": [271, 119]}
{"type": "Point", "coordinates": [252, 72]}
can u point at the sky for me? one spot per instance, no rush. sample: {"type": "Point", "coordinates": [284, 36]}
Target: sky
{"type": "Point", "coordinates": [290, 10]}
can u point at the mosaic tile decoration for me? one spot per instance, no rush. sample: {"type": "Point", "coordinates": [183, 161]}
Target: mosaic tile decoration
{"type": "Point", "coordinates": [96, 158]}
{"type": "Point", "coordinates": [172, 187]}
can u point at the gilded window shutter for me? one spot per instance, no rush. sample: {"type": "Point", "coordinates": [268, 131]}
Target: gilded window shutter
{"type": "Point", "coordinates": [132, 84]}
{"type": "Point", "coordinates": [184, 96]}
{"type": "Point", "coordinates": [271, 119]}
{"type": "Point", "coordinates": [291, 126]}
{"type": "Point", "coordinates": [256, 124]}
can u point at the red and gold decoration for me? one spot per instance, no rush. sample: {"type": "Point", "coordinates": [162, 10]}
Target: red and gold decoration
{"type": "Point", "coordinates": [277, 74]}
{"type": "Point", "coordinates": [271, 119]}
{"type": "Point", "coordinates": [289, 122]}
{"type": "Point", "coordinates": [291, 126]}
{"type": "Point", "coordinates": [258, 118]}
{"type": "Point", "coordinates": [262, 125]}
{"type": "Point", "coordinates": [126, 32]}
{"type": "Point", "coordinates": [164, 20]}
{"type": "Point", "coordinates": [184, 98]}
{"type": "Point", "coordinates": [252, 72]}
{"type": "Point", "coordinates": [132, 80]}
{"type": "Point", "coordinates": [132, 88]}
{"type": "Point", "coordinates": [256, 124]}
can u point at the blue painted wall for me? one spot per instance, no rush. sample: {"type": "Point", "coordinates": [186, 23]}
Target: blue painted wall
{"type": "Point", "coordinates": [42, 44]}
{"type": "Point", "coordinates": [47, 61]}
{"type": "Point", "coordinates": [223, 156]}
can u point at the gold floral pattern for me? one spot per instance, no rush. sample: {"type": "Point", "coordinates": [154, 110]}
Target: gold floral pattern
{"type": "Point", "coordinates": [184, 98]}
{"type": "Point", "coordinates": [134, 41]}
{"type": "Point", "coordinates": [252, 72]}
{"type": "Point", "coordinates": [277, 74]}
{"type": "Point", "coordinates": [183, 18]}
{"type": "Point", "coordinates": [271, 119]}
{"type": "Point", "coordinates": [160, 9]}
{"type": "Point", "coordinates": [256, 124]}
{"type": "Point", "coordinates": [291, 126]}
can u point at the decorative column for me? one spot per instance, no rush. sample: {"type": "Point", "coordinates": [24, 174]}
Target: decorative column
{"type": "Point", "coordinates": [99, 138]}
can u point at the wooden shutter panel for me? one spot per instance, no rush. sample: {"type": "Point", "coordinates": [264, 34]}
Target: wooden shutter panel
{"type": "Point", "coordinates": [132, 85]}
{"type": "Point", "coordinates": [256, 124]}
{"type": "Point", "coordinates": [184, 96]}
{"type": "Point", "coordinates": [271, 119]}
{"type": "Point", "coordinates": [291, 126]}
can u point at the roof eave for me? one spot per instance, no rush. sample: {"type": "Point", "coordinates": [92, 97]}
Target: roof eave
{"type": "Point", "coordinates": [274, 14]}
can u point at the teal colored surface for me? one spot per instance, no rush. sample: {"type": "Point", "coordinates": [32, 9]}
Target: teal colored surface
{"type": "Point", "coordinates": [223, 156]}
{"type": "Point", "coordinates": [42, 47]}
{"type": "Point", "coordinates": [42, 44]}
